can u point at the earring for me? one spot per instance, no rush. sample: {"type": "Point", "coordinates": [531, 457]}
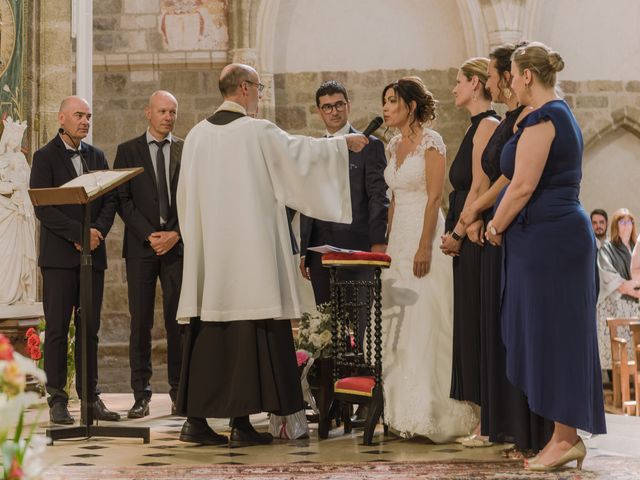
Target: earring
{"type": "Point", "coordinates": [507, 93]}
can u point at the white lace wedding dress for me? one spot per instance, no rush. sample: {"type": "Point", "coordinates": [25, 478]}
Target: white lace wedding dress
{"type": "Point", "coordinates": [418, 313]}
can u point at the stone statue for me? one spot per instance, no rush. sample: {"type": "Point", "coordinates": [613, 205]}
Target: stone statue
{"type": "Point", "coordinates": [17, 220]}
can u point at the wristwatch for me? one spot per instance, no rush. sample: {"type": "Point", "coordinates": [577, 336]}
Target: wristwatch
{"type": "Point", "coordinates": [492, 230]}
{"type": "Point", "coordinates": [455, 236]}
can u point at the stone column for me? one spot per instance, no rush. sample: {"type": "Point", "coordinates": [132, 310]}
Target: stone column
{"type": "Point", "coordinates": [504, 20]}
{"type": "Point", "coordinates": [55, 64]}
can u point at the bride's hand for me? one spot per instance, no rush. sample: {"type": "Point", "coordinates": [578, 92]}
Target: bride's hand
{"type": "Point", "coordinates": [422, 262]}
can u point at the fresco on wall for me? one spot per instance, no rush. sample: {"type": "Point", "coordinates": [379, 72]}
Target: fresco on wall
{"type": "Point", "coordinates": [194, 25]}
{"type": "Point", "coordinates": [12, 43]}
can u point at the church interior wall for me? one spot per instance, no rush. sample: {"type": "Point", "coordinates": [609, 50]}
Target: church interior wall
{"type": "Point", "coordinates": [144, 45]}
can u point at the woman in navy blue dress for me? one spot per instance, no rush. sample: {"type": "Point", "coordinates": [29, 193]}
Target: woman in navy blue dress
{"type": "Point", "coordinates": [549, 279]}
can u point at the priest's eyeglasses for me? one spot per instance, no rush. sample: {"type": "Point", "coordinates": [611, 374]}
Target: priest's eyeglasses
{"type": "Point", "coordinates": [259, 86]}
{"type": "Point", "coordinates": [328, 107]}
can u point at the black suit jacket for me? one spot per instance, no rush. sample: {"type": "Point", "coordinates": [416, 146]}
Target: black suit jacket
{"type": "Point", "coordinates": [369, 205]}
{"type": "Point", "coordinates": [61, 226]}
{"type": "Point", "coordinates": [139, 207]}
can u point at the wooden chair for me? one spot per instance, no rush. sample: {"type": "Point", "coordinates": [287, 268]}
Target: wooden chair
{"type": "Point", "coordinates": [622, 367]}
{"type": "Point", "coordinates": [635, 335]}
{"type": "Point", "coordinates": [356, 353]}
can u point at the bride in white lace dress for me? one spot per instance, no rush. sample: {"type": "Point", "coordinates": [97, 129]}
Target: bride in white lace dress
{"type": "Point", "coordinates": [417, 289]}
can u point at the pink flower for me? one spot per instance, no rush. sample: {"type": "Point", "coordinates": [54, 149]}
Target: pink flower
{"type": "Point", "coordinates": [30, 332]}
{"type": "Point", "coordinates": [16, 471]}
{"type": "Point", "coordinates": [302, 357]}
{"type": "Point", "coordinates": [6, 350]}
{"type": "Point", "coordinates": [35, 353]}
{"type": "Point", "coordinates": [33, 341]}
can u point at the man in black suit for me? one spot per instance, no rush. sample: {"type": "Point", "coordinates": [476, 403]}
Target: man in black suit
{"type": "Point", "coordinates": [368, 200]}
{"type": "Point", "coordinates": [152, 247]}
{"type": "Point", "coordinates": [59, 258]}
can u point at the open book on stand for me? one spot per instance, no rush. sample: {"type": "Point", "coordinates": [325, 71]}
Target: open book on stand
{"type": "Point", "coordinates": [84, 188]}
{"type": "Point", "coordinates": [332, 249]}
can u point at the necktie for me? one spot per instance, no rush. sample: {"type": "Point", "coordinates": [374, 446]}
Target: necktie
{"type": "Point", "coordinates": [161, 179]}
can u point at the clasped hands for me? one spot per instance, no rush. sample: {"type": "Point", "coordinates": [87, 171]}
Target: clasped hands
{"type": "Point", "coordinates": [95, 240]}
{"type": "Point", "coordinates": [163, 241]}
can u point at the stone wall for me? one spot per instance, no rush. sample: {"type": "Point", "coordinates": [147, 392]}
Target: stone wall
{"type": "Point", "coordinates": [131, 61]}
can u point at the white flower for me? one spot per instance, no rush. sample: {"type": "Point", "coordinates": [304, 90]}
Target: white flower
{"type": "Point", "coordinates": [6, 88]}
{"type": "Point", "coordinates": [315, 340]}
{"type": "Point", "coordinates": [325, 337]}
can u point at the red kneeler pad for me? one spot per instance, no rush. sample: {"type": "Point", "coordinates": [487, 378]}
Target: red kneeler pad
{"type": "Point", "coordinates": [362, 386]}
{"type": "Point", "coordinates": [373, 259]}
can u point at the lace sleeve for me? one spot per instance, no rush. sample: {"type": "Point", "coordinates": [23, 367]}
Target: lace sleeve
{"type": "Point", "coordinates": [392, 146]}
{"type": "Point", "coordinates": [432, 140]}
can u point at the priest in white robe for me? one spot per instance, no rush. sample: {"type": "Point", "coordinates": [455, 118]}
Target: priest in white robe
{"type": "Point", "coordinates": [238, 175]}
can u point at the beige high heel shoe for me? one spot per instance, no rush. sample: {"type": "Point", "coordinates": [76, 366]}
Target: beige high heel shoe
{"type": "Point", "coordinates": [577, 452]}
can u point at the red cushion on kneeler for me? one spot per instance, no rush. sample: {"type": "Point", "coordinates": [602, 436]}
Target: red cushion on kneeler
{"type": "Point", "coordinates": [355, 386]}
{"type": "Point", "coordinates": [357, 258]}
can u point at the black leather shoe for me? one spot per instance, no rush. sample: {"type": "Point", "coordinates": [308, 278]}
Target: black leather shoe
{"type": "Point", "coordinates": [200, 432]}
{"type": "Point", "coordinates": [248, 438]}
{"type": "Point", "coordinates": [360, 418]}
{"type": "Point", "coordinates": [59, 413]}
{"type": "Point", "coordinates": [101, 412]}
{"type": "Point", "coordinates": [140, 409]}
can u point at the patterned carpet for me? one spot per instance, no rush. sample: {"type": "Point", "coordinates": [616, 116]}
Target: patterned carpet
{"type": "Point", "coordinates": [614, 468]}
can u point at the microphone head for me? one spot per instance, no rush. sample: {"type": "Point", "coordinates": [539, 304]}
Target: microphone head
{"type": "Point", "coordinates": [373, 126]}
{"type": "Point", "coordinates": [61, 131]}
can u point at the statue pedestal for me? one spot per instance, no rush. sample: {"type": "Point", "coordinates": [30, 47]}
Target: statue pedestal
{"type": "Point", "coordinates": [15, 320]}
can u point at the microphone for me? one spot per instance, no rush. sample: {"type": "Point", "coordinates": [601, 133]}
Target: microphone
{"type": "Point", "coordinates": [62, 131]}
{"type": "Point", "coordinates": [373, 126]}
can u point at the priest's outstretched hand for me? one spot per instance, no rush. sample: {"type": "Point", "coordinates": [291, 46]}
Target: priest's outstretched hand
{"type": "Point", "coordinates": [356, 141]}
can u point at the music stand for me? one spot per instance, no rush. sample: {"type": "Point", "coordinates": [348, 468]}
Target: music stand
{"type": "Point", "coordinates": [77, 195]}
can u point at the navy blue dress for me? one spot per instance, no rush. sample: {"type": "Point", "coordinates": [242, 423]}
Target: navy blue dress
{"type": "Point", "coordinates": [549, 284]}
{"type": "Point", "coordinates": [506, 416]}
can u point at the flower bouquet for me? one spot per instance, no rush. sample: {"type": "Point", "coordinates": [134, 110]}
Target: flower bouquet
{"type": "Point", "coordinates": [20, 456]}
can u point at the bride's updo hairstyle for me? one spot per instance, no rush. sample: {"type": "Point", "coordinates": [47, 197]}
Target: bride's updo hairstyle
{"type": "Point", "coordinates": [477, 67]}
{"type": "Point", "coordinates": [543, 62]}
{"type": "Point", "coordinates": [412, 89]}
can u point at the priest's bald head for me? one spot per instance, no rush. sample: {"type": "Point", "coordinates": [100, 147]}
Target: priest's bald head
{"type": "Point", "coordinates": [241, 84]}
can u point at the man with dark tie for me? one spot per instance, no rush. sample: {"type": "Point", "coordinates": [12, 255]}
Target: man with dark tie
{"type": "Point", "coordinates": [152, 246]}
{"type": "Point", "coordinates": [368, 200]}
{"type": "Point", "coordinates": [59, 258]}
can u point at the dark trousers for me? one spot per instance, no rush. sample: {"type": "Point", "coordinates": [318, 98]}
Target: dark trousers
{"type": "Point", "coordinates": [142, 277]}
{"type": "Point", "coordinates": [321, 279]}
{"type": "Point", "coordinates": [61, 298]}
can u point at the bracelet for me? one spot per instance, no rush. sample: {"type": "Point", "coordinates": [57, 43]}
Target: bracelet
{"type": "Point", "coordinates": [455, 236]}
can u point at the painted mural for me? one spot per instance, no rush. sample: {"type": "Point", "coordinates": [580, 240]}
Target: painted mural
{"type": "Point", "coordinates": [12, 51]}
{"type": "Point", "coordinates": [194, 25]}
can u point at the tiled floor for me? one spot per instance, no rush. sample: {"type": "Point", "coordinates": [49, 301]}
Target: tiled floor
{"type": "Point", "coordinates": [165, 448]}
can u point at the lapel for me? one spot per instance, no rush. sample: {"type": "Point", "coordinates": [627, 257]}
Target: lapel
{"type": "Point", "coordinates": [64, 158]}
{"type": "Point", "coordinates": [175, 152]}
{"type": "Point", "coordinates": [143, 154]}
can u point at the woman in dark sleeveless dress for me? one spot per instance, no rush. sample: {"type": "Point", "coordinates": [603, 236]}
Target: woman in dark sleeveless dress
{"type": "Point", "coordinates": [469, 93]}
{"type": "Point", "coordinates": [506, 416]}
{"type": "Point", "coordinates": [549, 279]}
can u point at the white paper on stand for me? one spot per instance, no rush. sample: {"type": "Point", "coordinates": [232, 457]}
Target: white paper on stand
{"type": "Point", "coordinates": [332, 249]}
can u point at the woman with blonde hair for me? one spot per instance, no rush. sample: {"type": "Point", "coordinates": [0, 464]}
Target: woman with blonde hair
{"type": "Point", "coordinates": [465, 175]}
{"type": "Point", "coordinates": [549, 278]}
{"type": "Point", "coordinates": [618, 292]}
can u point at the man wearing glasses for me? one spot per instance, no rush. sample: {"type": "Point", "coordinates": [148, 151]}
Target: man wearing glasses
{"type": "Point", "coordinates": [238, 174]}
{"type": "Point", "coordinates": [368, 201]}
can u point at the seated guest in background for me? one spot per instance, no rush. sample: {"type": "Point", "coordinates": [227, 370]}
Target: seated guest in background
{"type": "Point", "coordinates": [152, 247]}
{"type": "Point", "coordinates": [59, 259]}
{"type": "Point", "coordinates": [368, 201]}
{"type": "Point", "coordinates": [635, 261]}
{"type": "Point", "coordinates": [599, 220]}
{"type": "Point", "coordinates": [618, 295]}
